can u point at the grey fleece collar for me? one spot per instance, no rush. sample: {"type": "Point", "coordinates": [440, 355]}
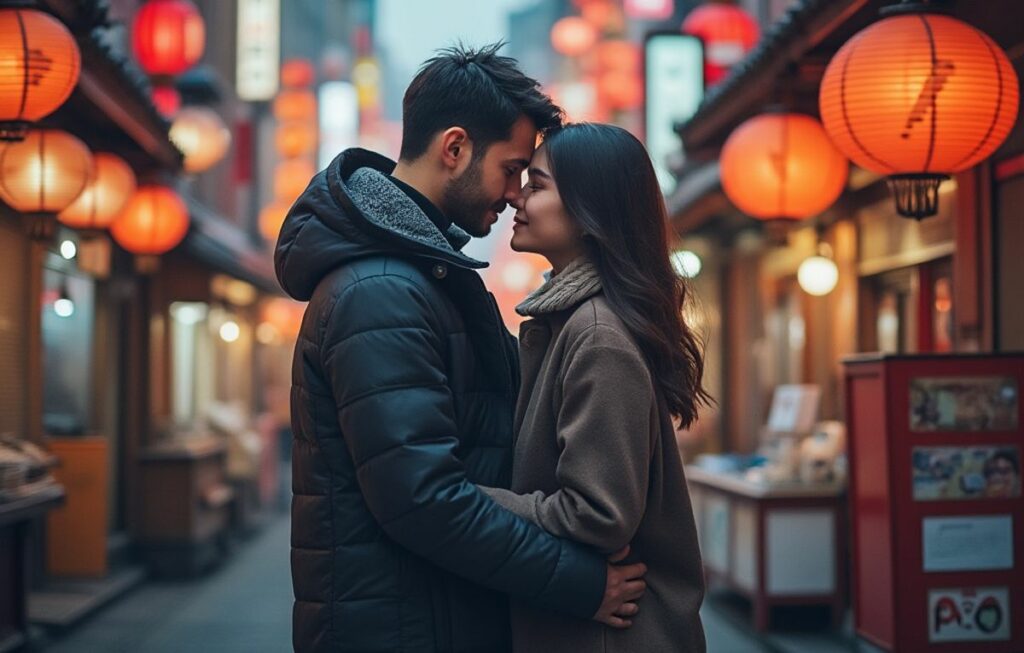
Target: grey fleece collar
{"type": "Point", "coordinates": [385, 205]}
{"type": "Point", "coordinates": [578, 282]}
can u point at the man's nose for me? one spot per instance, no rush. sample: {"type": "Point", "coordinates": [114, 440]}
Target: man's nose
{"type": "Point", "coordinates": [516, 199]}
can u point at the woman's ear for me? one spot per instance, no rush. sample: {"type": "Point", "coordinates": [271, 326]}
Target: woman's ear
{"type": "Point", "coordinates": [456, 149]}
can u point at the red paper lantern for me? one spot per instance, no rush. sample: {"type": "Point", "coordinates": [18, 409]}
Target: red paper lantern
{"type": "Point", "coordinates": [295, 104]}
{"type": "Point", "coordinates": [39, 67]}
{"type": "Point", "coordinates": [728, 33]}
{"type": "Point", "coordinates": [153, 223]}
{"type": "Point", "coordinates": [297, 73]}
{"type": "Point", "coordinates": [168, 36]}
{"type": "Point", "coordinates": [782, 166]}
{"type": "Point", "coordinates": [107, 193]}
{"type": "Point", "coordinates": [919, 97]}
{"type": "Point", "coordinates": [167, 100]}
{"type": "Point", "coordinates": [573, 36]}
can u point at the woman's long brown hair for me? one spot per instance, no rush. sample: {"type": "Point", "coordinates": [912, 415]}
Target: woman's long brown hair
{"type": "Point", "coordinates": [608, 185]}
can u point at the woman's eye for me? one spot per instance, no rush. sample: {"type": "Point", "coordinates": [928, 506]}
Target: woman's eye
{"type": "Point", "coordinates": [534, 186]}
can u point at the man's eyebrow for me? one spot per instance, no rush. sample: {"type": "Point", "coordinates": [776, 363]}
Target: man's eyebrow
{"type": "Point", "coordinates": [539, 173]}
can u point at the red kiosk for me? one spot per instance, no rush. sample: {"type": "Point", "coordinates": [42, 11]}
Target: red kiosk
{"type": "Point", "coordinates": [936, 510]}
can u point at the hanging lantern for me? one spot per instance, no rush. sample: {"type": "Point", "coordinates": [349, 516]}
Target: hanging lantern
{"type": "Point", "coordinates": [728, 32]}
{"type": "Point", "coordinates": [782, 167]}
{"type": "Point", "coordinates": [111, 186]}
{"type": "Point", "coordinates": [39, 67]}
{"type": "Point", "coordinates": [572, 36]}
{"type": "Point", "coordinates": [620, 90]}
{"type": "Point", "coordinates": [818, 275]}
{"type": "Point", "coordinates": [42, 174]}
{"type": "Point", "coordinates": [919, 97]}
{"type": "Point", "coordinates": [291, 178]}
{"type": "Point", "coordinates": [295, 139]}
{"type": "Point", "coordinates": [622, 56]}
{"type": "Point", "coordinates": [297, 73]}
{"type": "Point", "coordinates": [201, 136]}
{"type": "Point", "coordinates": [153, 223]}
{"type": "Point", "coordinates": [168, 36]}
{"type": "Point", "coordinates": [167, 100]}
{"type": "Point", "coordinates": [605, 16]}
{"type": "Point", "coordinates": [272, 217]}
{"type": "Point", "coordinates": [295, 104]}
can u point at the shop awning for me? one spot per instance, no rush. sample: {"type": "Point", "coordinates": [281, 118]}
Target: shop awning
{"type": "Point", "coordinates": [224, 246]}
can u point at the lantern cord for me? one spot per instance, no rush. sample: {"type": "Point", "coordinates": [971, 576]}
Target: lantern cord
{"type": "Point", "coordinates": [917, 196]}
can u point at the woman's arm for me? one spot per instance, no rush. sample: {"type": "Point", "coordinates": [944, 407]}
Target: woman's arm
{"type": "Point", "coordinates": [605, 431]}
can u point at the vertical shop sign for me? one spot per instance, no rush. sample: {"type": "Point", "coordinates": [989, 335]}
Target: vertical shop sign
{"type": "Point", "coordinates": [259, 38]}
{"type": "Point", "coordinates": [674, 88]}
{"type": "Point", "coordinates": [339, 119]}
{"type": "Point", "coordinates": [969, 614]}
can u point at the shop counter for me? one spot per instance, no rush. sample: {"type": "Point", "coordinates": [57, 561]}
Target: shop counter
{"type": "Point", "coordinates": [16, 517]}
{"type": "Point", "coordinates": [775, 544]}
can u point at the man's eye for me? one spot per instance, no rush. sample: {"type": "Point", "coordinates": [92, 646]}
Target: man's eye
{"type": "Point", "coordinates": [509, 172]}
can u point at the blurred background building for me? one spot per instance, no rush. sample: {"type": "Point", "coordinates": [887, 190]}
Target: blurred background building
{"type": "Point", "coordinates": [150, 149]}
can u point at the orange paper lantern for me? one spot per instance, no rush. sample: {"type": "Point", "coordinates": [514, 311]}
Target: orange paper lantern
{"type": "Point", "coordinates": [291, 178]}
{"type": "Point", "coordinates": [272, 217]}
{"type": "Point", "coordinates": [620, 90]}
{"type": "Point", "coordinates": [295, 104]}
{"type": "Point", "coordinates": [573, 36]}
{"type": "Point", "coordinates": [604, 15]}
{"type": "Point", "coordinates": [168, 36]}
{"type": "Point", "coordinates": [45, 172]}
{"type": "Point", "coordinates": [622, 56]}
{"type": "Point", "coordinates": [728, 33]}
{"type": "Point", "coordinates": [919, 97]}
{"type": "Point", "coordinates": [105, 195]}
{"type": "Point", "coordinates": [297, 73]}
{"type": "Point", "coordinates": [153, 223]}
{"type": "Point", "coordinates": [201, 136]}
{"type": "Point", "coordinates": [782, 166]}
{"type": "Point", "coordinates": [295, 139]}
{"type": "Point", "coordinates": [39, 67]}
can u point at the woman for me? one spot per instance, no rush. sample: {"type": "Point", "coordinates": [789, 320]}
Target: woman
{"type": "Point", "coordinates": [607, 363]}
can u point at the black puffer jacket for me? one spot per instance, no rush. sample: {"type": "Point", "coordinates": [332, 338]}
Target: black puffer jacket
{"type": "Point", "coordinates": [403, 385]}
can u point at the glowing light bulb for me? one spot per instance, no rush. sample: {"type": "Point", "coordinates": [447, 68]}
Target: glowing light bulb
{"type": "Point", "coordinates": [686, 263]}
{"type": "Point", "coordinates": [818, 275]}
{"type": "Point", "coordinates": [229, 331]}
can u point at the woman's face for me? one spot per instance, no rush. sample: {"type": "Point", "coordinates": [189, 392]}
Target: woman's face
{"type": "Point", "coordinates": [542, 225]}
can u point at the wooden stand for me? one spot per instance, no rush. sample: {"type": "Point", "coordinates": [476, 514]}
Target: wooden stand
{"type": "Point", "coordinates": [76, 537]}
{"type": "Point", "coordinates": [187, 505]}
{"type": "Point", "coordinates": [15, 519]}
{"type": "Point", "coordinates": [774, 545]}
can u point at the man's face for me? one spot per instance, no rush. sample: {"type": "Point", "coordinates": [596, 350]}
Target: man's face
{"type": "Point", "coordinates": [474, 199]}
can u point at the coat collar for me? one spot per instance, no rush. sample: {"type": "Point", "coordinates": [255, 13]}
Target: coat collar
{"type": "Point", "coordinates": [578, 282]}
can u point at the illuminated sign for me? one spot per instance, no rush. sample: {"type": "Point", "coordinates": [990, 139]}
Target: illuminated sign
{"type": "Point", "coordinates": [259, 41]}
{"type": "Point", "coordinates": [674, 83]}
{"type": "Point", "coordinates": [650, 9]}
{"type": "Point", "coordinates": [339, 119]}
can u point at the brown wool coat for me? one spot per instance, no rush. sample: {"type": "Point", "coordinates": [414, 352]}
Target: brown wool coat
{"type": "Point", "coordinates": [596, 461]}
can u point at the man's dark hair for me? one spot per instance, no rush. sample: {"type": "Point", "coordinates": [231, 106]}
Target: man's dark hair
{"type": "Point", "coordinates": [478, 90]}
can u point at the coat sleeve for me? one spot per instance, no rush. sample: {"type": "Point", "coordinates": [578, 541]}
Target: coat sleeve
{"type": "Point", "coordinates": [605, 435]}
{"type": "Point", "coordinates": [382, 352]}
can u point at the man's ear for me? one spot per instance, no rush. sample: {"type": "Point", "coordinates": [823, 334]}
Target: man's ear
{"type": "Point", "coordinates": [456, 149]}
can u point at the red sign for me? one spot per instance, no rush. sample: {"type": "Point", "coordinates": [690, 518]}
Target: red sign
{"type": "Point", "coordinates": [650, 9]}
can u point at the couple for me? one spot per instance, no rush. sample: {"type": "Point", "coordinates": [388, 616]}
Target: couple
{"type": "Point", "coordinates": [426, 495]}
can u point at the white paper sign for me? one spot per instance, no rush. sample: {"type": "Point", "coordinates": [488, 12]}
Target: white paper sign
{"type": "Point", "coordinates": [258, 49]}
{"type": "Point", "coordinates": [967, 543]}
{"type": "Point", "coordinates": [969, 614]}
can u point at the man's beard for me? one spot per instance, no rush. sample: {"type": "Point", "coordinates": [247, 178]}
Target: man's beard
{"type": "Point", "coordinates": [465, 203]}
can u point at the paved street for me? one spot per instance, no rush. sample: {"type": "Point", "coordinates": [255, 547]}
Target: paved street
{"type": "Point", "coordinates": [245, 607]}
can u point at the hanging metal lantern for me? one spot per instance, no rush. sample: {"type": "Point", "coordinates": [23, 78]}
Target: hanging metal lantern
{"type": "Point", "coordinates": [39, 67]}
{"type": "Point", "coordinates": [919, 96]}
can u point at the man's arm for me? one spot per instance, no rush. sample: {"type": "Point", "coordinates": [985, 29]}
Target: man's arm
{"type": "Point", "coordinates": [382, 353]}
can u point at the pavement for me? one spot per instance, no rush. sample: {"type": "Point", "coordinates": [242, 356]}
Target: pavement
{"type": "Point", "coordinates": [245, 605]}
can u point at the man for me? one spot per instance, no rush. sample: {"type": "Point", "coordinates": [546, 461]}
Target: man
{"type": "Point", "coordinates": [404, 382]}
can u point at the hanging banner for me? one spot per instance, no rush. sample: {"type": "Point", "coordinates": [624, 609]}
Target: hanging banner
{"type": "Point", "coordinates": [674, 88]}
{"type": "Point", "coordinates": [258, 53]}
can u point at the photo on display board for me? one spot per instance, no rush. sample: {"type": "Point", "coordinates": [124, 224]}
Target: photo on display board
{"type": "Point", "coordinates": [969, 614]}
{"type": "Point", "coordinates": [963, 403]}
{"type": "Point", "coordinates": [952, 473]}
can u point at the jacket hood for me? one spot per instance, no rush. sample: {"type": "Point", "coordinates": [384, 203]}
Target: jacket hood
{"type": "Point", "coordinates": [351, 210]}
